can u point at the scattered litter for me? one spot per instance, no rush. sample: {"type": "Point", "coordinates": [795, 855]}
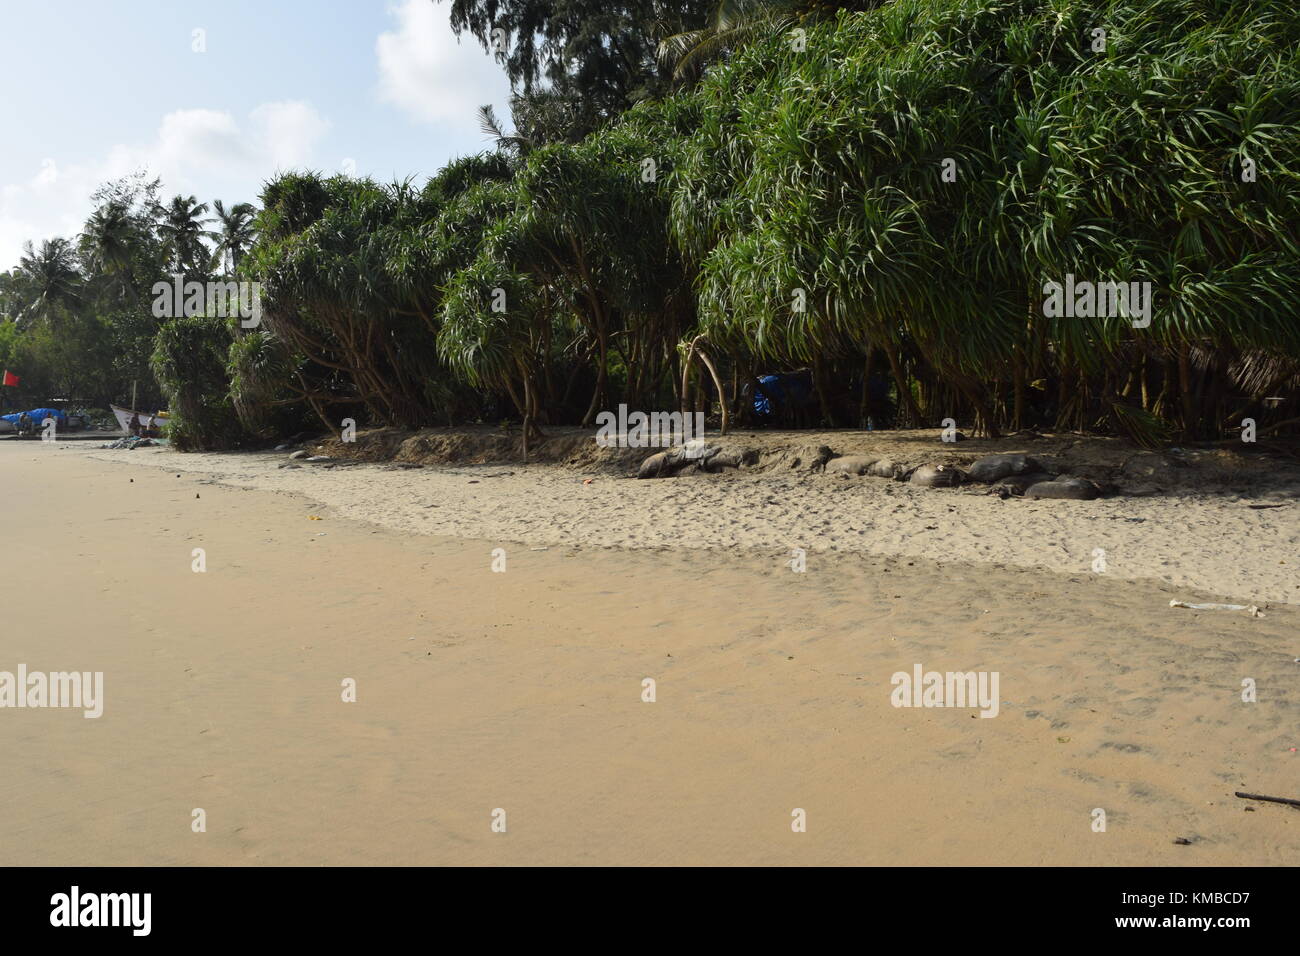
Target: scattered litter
{"type": "Point", "coordinates": [314, 518]}
{"type": "Point", "coordinates": [1182, 841]}
{"type": "Point", "coordinates": [587, 481]}
{"type": "Point", "coordinates": [1254, 611]}
{"type": "Point", "coordinates": [539, 549]}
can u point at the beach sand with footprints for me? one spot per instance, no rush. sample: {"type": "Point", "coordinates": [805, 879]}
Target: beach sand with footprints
{"type": "Point", "coordinates": [523, 690]}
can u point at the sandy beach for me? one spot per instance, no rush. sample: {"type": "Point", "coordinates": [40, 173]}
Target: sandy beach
{"type": "Point", "coordinates": [1240, 542]}
{"type": "Point", "coordinates": [523, 691]}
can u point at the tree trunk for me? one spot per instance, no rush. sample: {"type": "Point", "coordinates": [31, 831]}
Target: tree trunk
{"type": "Point", "coordinates": [1185, 388]}
{"type": "Point", "coordinates": [1018, 399]}
{"type": "Point", "coordinates": [602, 374]}
{"type": "Point", "coordinates": [864, 406]}
{"type": "Point", "coordinates": [717, 383]}
{"type": "Point", "coordinates": [900, 380]}
{"type": "Point", "coordinates": [818, 375]}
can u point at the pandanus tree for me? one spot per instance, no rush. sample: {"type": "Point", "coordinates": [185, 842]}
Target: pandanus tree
{"type": "Point", "coordinates": [189, 362]}
{"type": "Point", "coordinates": [817, 216]}
{"type": "Point", "coordinates": [823, 170]}
{"type": "Point", "coordinates": [325, 291]}
{"type": "Point", "coordinates": [892, 195]}
{"type": "Point", "coordinates": [586, 243]}
{"type": "Point", "coordinates": [352, 272]}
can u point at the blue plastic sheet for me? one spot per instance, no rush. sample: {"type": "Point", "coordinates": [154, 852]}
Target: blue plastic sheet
{"type": "Point", "coordinates": [37, 415]}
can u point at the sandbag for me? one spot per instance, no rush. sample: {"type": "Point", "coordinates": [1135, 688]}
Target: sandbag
{"type": "Point", "coordinates": [1074, 489]}
{"type": "Point", "coordinates": [937, 476]}
{"type": "Point", "coordinates": [993, 467]}
{"type": "Point", "coordinates": [850, 465]}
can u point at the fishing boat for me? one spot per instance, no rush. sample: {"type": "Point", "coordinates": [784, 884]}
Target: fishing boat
{"type": "Point", "coordinates": [124, 416]}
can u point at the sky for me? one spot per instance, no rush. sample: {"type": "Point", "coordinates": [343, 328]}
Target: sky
{"type": "Point", "coordinates": [216, 96]}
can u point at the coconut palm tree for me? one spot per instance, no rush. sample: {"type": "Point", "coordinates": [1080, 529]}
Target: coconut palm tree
{"type": "Point", "coordinates": [730, 24]}
{"type": "Point", "coordinates": [109, 238]}
{"type": "Point", "coordinates": [181, 226]}
{"type": "Point", "coordinates": [111, 244]}
{"type": "Point", "coordinates": [235, 234]}
{"type": "Point", "coordinates": [506, 142]}
{"type": "Point", "coordinates": [50, 279]}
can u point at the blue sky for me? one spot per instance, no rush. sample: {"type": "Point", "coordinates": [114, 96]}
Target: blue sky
{"type": "Point", "coordinates": [91, 90]}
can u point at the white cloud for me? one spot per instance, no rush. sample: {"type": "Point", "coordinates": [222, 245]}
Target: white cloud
{"type": "Point", "coordinates": [287, 132]}
{"type": "Point", "coordinates": [430, 75]}
{"type": "Point", "coordinates": [204, 152]}
{"type": "Point", "coordinates": [49, 173]}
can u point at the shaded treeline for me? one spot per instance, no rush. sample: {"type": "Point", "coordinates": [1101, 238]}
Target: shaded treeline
{"type": "Point", "coordinates": [879, 198]}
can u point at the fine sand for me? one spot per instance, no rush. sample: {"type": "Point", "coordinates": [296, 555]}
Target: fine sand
{"type": "Point", "coordinates": [1244, 545]}
{"type": "Point", "coordinates": [523, 690]}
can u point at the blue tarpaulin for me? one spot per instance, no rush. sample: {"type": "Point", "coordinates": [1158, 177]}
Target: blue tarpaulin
{"type": "Point", "coordinates": [37, 415]}
{"type": "Point", "coordinates": [780, 389]}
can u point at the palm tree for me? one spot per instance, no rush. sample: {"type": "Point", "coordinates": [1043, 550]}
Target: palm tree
{"type": "Point", "coordinates": [492, 129]}
{"type": "Point", "coordinates": [51, 278]}
{"type": "Point", "coordinates": [730, 24]}
{"type": "Point", "coordinates": [110, 242]}
{"type": "Point", "coordinates": [181, 228]}
{"type": "Point", "coordinates": [235, 234]}
{"type": "Point", "coordinates": [108, 239]}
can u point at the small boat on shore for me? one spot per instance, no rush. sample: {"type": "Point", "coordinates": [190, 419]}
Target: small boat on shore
{"type": "Point", "coordinates": [124, 416]}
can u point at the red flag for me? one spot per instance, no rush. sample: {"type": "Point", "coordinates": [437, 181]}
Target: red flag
{"type": "Point", "coordinates": [10, 379]}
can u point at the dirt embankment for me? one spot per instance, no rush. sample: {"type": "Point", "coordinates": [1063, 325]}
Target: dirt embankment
{"type": "Point", "coordinates": [1112, 462]}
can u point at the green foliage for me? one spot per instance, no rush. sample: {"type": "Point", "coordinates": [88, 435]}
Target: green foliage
{"type": "Point", "coordinates": [895, 190]}
{"type": "Point", "coordinates": [820, 170]}
{"type": "Point", "coordinates": [78, 314]}
{"type": "Point", "coordinates": [189, 361]}
{"type": "Point", "coordinates": [596, 57]}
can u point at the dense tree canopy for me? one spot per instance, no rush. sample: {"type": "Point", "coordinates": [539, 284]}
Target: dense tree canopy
{"type": "Point", "coordinates": [76, 318]}
{"type": "Point", "coordinates": [890, 199]}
